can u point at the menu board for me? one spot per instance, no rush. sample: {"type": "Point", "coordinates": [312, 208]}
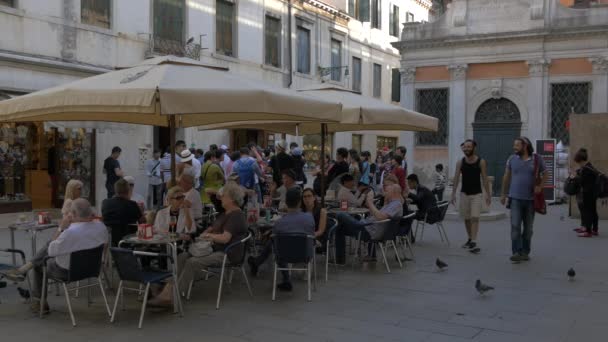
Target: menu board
{"type": "Point", "coordinates": [545, 148]}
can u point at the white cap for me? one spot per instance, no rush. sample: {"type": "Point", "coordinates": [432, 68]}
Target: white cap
{"type": "Point", "coordinates": [224, 147]}
{"type": "Point", "coordinates": [186, 156]}
{"type": "Point", "coordinates": [129, 179]}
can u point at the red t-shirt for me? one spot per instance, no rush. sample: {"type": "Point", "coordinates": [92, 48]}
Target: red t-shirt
{"type": "Point", "coordinates": [399, 172]}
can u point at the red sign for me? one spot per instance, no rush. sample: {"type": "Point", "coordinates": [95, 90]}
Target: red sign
{"type": "Point", "coordinates": [549, 146]}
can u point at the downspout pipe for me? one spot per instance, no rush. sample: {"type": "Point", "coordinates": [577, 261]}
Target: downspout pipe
{"type": "Point", "coordinates": [290, 41]}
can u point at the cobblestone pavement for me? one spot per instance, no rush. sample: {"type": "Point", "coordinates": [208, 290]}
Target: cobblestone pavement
{"type": "Point", "coordinates": [533, 301]}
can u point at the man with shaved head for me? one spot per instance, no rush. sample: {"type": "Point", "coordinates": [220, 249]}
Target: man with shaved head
{"type": "Point", "coordinates": [349, 226]}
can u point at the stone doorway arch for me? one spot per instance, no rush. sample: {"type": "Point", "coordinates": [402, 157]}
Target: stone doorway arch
{"type": "Point", "coordinates": [497, 123]}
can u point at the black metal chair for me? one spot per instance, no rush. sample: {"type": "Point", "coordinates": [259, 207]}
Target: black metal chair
{"type": "Point", "coordinates": [228, 265]}
{"type": "Point", "coordinates": [405, 233]}
{"type": "Point", "coordinates": [296, 248]}
{"type": "Point", "coordinates": [129, 268]}
{"type": "Point", "coordinates": [84, 264]}
{"type": "Point", "coordinates": [388, 237]}
{"type": "Point", "coordinates": [434, 215]}
{"type": "Point", "coordinates": [330, 243]}
{"type": "Point", "coordinates": [5, 267]}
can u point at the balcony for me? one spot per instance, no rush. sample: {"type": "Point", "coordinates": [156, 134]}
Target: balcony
{"type": "Point", "coordinates": [159, 46]}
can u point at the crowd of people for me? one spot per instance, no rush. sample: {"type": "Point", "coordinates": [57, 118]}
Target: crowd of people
{"type": "Point", "coordinates": [227, 182]}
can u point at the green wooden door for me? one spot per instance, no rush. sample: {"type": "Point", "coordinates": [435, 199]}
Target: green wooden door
{"type": "Point", "coordinates": [497, 124]}
{"type": "Point", "coordinates": [495, 145]}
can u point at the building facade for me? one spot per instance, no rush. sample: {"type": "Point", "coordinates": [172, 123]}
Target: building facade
{"type": "Point", "coordinates": [494, 70]}
{"type": "Point", "coordinates": [296, 44]}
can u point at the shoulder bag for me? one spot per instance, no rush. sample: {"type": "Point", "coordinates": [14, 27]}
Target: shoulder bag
{"type": "Point", "coordinates": [540, 206]}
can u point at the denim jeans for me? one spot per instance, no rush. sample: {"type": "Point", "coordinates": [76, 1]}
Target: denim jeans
{"type": "Point", "coordinates": [522, 211]}
{"type": "Point", "coordinates": [347, 226]}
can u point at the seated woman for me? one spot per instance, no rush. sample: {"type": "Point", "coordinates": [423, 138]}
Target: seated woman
{"type": "Point", "coordinates": [228, 228]}
{"type": "Point", "coordinates": [311, 205]}
{"type": "Point", "coordinates": [178, 209]}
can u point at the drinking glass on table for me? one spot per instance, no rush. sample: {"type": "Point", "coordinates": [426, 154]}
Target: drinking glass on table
{"type": "Point", "coordinates": [173, 227]}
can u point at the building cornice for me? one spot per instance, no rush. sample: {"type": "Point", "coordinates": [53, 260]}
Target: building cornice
{"type": "Point", "coordinates": [426, 4]}
{"type": "Point", "coordinates": [484, 39]}
{"type": "Point", "coordinates": [327, 8]}
{"type": "Point", "coordinates": [8, 56]}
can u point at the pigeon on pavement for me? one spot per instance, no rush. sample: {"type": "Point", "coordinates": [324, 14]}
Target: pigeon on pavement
{"type": "Point", "coordinates": [482, 288]}
{"type": "Point", "coordinates": [571, 274]}
{"type": "Point", "coordinates": [440, 264]}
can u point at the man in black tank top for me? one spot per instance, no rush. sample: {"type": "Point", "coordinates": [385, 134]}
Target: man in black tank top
{"type": "Point", "coordinates": [474, 171]}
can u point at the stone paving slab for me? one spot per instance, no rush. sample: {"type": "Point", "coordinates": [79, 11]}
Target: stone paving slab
{"type": "Point", "coordinates": [533, 301]}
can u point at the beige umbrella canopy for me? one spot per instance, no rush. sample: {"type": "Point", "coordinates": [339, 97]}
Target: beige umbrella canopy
{"type": "Point", "coordinates": [151, 91]}
{"type": "Point", "coordinates": [168, 91]}
{"type": "Point", "coordinates": [358, 113]}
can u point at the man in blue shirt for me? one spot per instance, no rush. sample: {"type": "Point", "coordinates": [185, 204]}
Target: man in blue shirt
{"type": "Point", "coordinates": [349, 226]}
{"type": "Point", "coordinates": [520, 179]}
{"type": "Point", "coordinates": [293, 222]}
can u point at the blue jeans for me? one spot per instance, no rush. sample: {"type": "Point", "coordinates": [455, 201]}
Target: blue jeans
{"type": "Point", "coordinates": [347, 226]}
{"type": "Point", "coordinates": [522, 211]}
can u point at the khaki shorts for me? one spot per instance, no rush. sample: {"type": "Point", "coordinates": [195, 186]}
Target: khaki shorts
{"type": "Point", "coordinates": [470, 206]}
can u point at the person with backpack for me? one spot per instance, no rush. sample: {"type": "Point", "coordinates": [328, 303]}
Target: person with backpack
{"type": "Point", "coordinates": [588, 194]}
{"type": "Point", "coordinates": [247, 168]}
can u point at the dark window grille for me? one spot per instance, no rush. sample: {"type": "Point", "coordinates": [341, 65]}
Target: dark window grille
{"type": "Point", "coordinates": [567, 98]}
{"type": "Point", "coordinates": [433, 102]}
{"type": "Point", "coordinates": [393, 25]}
{"type": "Point", "coordinates": [224, 28]}
{"type": "Point", "coordinates": [377, 80]}
{"type": "Point", "coordinates": [92, 12]}
{"type": "Point", "coordinates": [336, 60]}
{"type": "Point", "coordinates": [395, 85]}
{"type": "Point", "coordinates": [168, 26]}
{"type": "Point", "coordinates": [9, 3]}
{"type": "Point", "coordinates": [376, 14]}
{"type": "Point", "coordinates": [303, 50]}
{"type": "Point", "coordinates": [357, 74]}
{"type": "Point", "coordinates": [273, 41]}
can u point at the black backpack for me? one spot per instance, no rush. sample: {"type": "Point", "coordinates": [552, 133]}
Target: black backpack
{"type": "Point", "coordinates": [601, 183]}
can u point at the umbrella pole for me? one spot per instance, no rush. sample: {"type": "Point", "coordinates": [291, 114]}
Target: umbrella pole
{"type": "Point", "coordinates": [323, 134]}
{"type": "Point", "coordinates": [172, 144]}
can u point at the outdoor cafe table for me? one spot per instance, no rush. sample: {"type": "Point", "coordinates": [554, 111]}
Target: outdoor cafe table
{"type": "Point", "coordinates": [350, 211]}
{"type": "Point", "coordinates": [32, 228]}
{"type": "Point", "coordinates": [159, 240]}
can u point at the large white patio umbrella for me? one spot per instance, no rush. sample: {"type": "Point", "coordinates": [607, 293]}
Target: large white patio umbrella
{"type": "Point", "coordinates": [359, 113]}
{"type": "Point", "coordinates": [168, 91]}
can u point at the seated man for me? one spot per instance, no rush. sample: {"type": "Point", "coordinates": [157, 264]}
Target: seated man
{"type": "Point", "coordinates": [294, 221]}
{"type": "Point", "coordinates": [289, 181]}
{"type": "Point", "coordinates": [423, 199]}
{"type": "Point", "coordinates": [119, 211]}
{"type": "Point", "coordinates": [82, 233]}
{"type": "Point", "coordinates": [349, 226]}
{"type": "Point", "coordinates": [347, 192]}
{"type": "Point", "coordinates": [135, 197]}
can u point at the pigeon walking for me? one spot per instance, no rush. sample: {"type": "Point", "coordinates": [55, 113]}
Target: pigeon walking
{"type": "Point", "coordinates": [440, 264]}
{"type": "Point", "coordinates": [482, 288]}
{"type": "Point", "coordinates": [571, 274]}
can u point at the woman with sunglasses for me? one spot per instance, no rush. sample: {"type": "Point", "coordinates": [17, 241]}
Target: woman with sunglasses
{"type": "Point", "coordinates": [174, 212]}
{"type": "Point", "coordinates": [311, 205]}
